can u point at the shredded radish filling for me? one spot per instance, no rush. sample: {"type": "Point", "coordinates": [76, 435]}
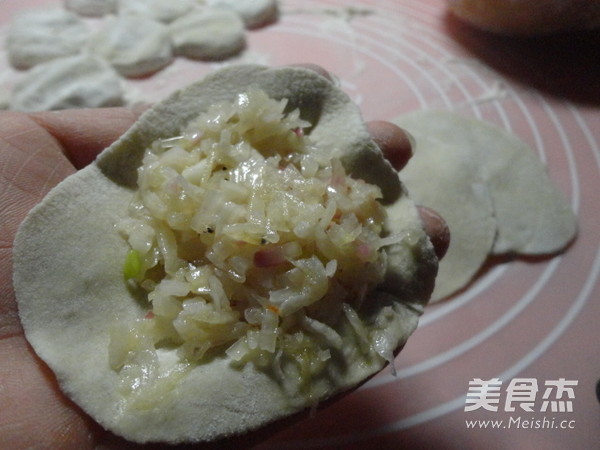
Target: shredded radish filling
{"type": "Point", "coordinates": [248, 242]}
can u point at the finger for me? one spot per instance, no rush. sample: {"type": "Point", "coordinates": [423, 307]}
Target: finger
{"type": "Point", "coordinates": [437, 230]}
{"type": "Point", "coordinates": [83, 133]}
{"type": "Point", "coordinates": [395, 143]}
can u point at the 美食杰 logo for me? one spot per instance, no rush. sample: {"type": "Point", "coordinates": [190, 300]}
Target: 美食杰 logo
{"type": "Point", "coordinates": [548, 399]}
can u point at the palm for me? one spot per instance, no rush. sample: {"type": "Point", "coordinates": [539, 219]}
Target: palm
{"type": "Point", "coordinates": [34, 157]}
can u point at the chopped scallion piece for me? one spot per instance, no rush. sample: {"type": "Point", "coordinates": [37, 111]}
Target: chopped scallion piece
{"type": "Point", "coordinates": [133, 265]}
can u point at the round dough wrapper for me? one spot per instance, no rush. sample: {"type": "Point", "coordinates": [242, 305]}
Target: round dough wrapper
{"type": "Point", "coordinates": [92, 8]}
{"type": "Point", "coordinates": [208, 34]}
{"type": "Point", "coordinates": [70, 289]}
{"type": "Point", "coordinates": [42, 35]}
{"type": "Point", "coordinates": [160, 10]}
{"type": "Point", "coordinates": [135, 46]}
{"type": "Point", "coordinates": [81, 81]}
{"type": "Point", "coordinates": [447, 179]}
{"type": "Point", "coordinates": [533, 216]}
{"type": "Point", "coordinates": [254, 13]}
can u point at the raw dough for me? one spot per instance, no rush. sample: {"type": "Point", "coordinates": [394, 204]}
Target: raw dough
{"type": "Point", "coordinates": [490, 187]}
{"type": "Point", "coordinates": [208, 34]}
{"type": "Point", "coordinates": [41, 35]}
{"type": "Point", "coordinates": [80, 81]}
{"type": "Point", "coordinates": [93, 8]}
{"type": "Point", "coordinates": [161, 10]}
{"type": "Point", "coordinates": [254, 13]}
{"type": "Point", "coordinates": [135, 46]}
{"type": "Point", "coordinates": [533, 216]}
{"type": "Point", "coordinates": [447, 179]}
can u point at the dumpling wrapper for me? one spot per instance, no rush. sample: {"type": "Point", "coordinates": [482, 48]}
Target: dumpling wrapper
{"type": "Point", "coordinates": [80, 81]}
{"type": "Point", "coordinates": [92, 8]}
{"type": "Point", "coordinates": [447, 179]}
{"type": "Point", "coordinates": [39, 36]}
{"type": "Point", "coordinates": [134, 45]}
{"type": "Point", "coordinates": [160, 10]}
{"type": "Point", "coordinates": [533, 216]}
{"type": "Point", "coordinates": [254, 13]}
{"type": "Point", "coordinates": [69, 283]}
{"type": "Point", "coordinates": [208, 34]}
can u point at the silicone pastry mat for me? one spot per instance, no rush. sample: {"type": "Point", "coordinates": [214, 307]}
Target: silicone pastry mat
{"type": "Point", "coordinates": [527, 327]}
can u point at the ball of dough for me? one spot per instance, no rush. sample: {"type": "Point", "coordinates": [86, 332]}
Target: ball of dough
{"type": "Point", "coordinates": [528, 17]}
{"type": "Point", "coordinates": [135, 46]}
{"type": "Point", "coordinates": [41, 35]}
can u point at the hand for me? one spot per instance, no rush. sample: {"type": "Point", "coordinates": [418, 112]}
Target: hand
{"type": "Point", "coordinates": [36, 152]}
{"type": "Point", "coordinates": [528, 17]}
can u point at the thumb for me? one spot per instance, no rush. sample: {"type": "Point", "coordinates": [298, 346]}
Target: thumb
{"type": "Point", "coordinates": [83, 133]}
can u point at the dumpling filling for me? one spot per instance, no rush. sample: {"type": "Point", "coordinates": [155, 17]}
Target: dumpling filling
{"type": "Point", "coordinates": [247, 243]}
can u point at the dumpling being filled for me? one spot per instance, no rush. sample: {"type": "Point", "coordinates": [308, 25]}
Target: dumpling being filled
{"type": "Point", "coordinates": [242, 253]}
